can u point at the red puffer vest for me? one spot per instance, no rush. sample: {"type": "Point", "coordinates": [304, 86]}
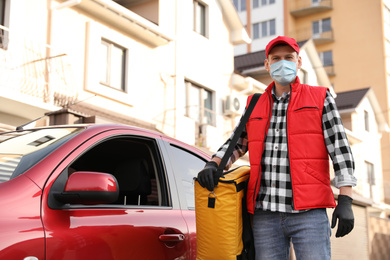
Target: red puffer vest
{"type": "Point", "coordinates": [309, 161]}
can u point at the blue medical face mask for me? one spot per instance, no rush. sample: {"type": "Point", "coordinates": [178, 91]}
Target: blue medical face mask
{"type": "Point", "coordinates": [284, 72]}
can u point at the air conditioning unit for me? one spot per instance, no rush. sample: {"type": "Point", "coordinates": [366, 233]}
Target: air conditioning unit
{"type": "Point", "coordinates": [235, 105]}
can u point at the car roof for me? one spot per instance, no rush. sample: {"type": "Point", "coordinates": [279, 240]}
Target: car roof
{"type": "Point", "coordinates": [102, 127]}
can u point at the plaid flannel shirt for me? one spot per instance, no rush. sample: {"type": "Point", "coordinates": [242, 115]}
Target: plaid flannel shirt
{"type": "Point", "coordinates": [276, 189]}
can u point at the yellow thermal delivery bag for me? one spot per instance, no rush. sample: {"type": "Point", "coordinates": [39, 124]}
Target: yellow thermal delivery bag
{"type": "Point", "coordinates": [219, 224]}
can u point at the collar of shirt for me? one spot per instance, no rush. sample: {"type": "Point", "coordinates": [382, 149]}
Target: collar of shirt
{"type": "Point", "coordinates": [283, 97]}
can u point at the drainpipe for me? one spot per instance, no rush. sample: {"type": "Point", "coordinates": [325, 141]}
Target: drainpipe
{"type": "Point", "coordinates": [68, 3]}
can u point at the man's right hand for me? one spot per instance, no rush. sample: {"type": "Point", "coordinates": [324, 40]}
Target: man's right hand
{"type": "Point", "coordinates": [208, 177]}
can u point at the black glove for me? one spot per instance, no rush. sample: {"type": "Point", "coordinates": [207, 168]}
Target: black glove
{"type": "Point", "coordinates": [208, 177]}
{"type": "Point", "coordinates": [344, 213]}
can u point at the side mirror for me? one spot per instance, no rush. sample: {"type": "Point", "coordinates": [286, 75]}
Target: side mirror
{"type": "Point", "coordinates": [89, 188]}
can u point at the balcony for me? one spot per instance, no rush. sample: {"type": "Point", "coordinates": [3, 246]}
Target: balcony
{"type": "Point", "coordinates": [318, 38]}
{"type": "Point", "coordinates": [323, 37]}
{"type": "Point", "coordinates": [330, 71]}
{"type": "Point", "coordinates": [34, 71]}
{"type": "Point", "coordinates": [300, 8]}
{"type": "Point", "coordinates": [117, 14]}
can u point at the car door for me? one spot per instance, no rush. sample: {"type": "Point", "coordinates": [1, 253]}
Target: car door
{"type": "Point", "coordinates": [144, 223]}
{"type": "Point", "coordinates": [186, 162]}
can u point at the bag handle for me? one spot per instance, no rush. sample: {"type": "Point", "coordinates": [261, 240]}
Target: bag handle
{"type": "Point", "coordinates": [244, 119]}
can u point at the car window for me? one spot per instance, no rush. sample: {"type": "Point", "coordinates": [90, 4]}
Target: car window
{"type": "Point", "coordinates": [136, 165]}
{"type": "Point", "coordinates": [188, 165]}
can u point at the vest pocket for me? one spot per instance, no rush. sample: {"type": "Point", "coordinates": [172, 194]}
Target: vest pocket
{"type": "Point", "coordinates": [320, 172]}
{"type": "Point", "coordinates": [304, 120]}
{"type": "Point", "coordinates": [306, 108]}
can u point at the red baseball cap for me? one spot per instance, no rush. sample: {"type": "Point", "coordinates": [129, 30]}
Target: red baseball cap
{"type": "Point", "coordinates": [281, 39]}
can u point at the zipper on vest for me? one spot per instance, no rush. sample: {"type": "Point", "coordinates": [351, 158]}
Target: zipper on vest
{"type": "Point", "coordinates": [265, 136]}
{"type": "Point", "coordinates": [288, 152]}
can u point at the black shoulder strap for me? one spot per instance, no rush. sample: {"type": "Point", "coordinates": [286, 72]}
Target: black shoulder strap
{"type": "Point", "coordinates": [238, 131]}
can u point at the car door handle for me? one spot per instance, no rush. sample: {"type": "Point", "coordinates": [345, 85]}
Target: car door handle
{"type": "Point", "coordinates": [171, 238]}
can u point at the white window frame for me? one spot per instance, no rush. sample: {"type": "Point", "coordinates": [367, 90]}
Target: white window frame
{"type": "Point", "coordinates": [266, 2]}
{"type": "Point", "coordinates": [257, 34]}
{"type": "Point", "coordinates": [370, 173]}
{"type": "Point", "coordinates": [111, 46]}
{"type": "Point", "coordinates": [95, 33]}
{"type": "Point", "coordinates": [366, 120]}
{"type": "Point", "coordinates": [370, 170]}
{"type": "Point", "coordinates": [320, 26]}
{"type": "Point", "coordinates": [240, 5]}
{"type": "Point", "coordinates": [322, 57]}
{"type": "Point", "coordinates": [205, 20]}
{"type": "Point", "coordinates": [201, 115]}
{"type": "Point", "coordinates": [4, 32]}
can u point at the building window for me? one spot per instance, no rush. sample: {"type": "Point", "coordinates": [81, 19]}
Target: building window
{"type": "Point", "coordinates": [326, 58]}
{"type": "Point", "coordinates": [2, 12]}
{"type": "Point", "coordinates": [370, 173]}
{"type": "Point", "coordinates": [366, 121]}
{"type": "Point", "coordinates": [256, 31]}
{"type": "Point", "coordinates": [107, 59]}
{"type": "Point", "coordinates": [240, 5]}
{"type": "Point", "coordinates": [256, 3]}
{"type": "Point", "coordinates": [315, 2]}
{"type": "Point", "coordinates": [199, 104]}
{"type": "Point", "coordinates": [113, 65]}
{"type": "Point", "coordinates": [264, 29]}
{"type": "Point", "coordinates": [267, 2]}
{"type": "Point", "coordinates": [321, 26]}
{"type": "Point", "coordinates": [4, 23]}
{"type": "Point", "coordinates": [370, 176]}
{"type": "Point", "coordinates": [200, 18]}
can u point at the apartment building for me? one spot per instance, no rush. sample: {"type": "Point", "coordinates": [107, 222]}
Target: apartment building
{"type": "Point", "coordinates": [263, 20]}
{"type": "Point", "coordinates": [161, 65]}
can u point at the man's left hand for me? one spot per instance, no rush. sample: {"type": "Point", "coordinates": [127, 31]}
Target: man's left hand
{"type": "Point", "coordinates": [344, 213]}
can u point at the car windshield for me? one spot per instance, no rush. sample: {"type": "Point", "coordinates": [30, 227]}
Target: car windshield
{"type": "Point", "coordinates": [20, 150]}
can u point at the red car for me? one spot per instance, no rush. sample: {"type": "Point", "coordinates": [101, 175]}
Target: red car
{"type": "Point", "coordinates": [97, 192]}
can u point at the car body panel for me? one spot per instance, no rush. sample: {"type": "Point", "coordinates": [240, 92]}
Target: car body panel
{"type": "Point", "coordinates": [22, 233]}
{"type": "Point", "coordinates": [113, 234]}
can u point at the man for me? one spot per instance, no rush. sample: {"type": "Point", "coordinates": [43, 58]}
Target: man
{"type": "Point", "coordinates": [291, 133]}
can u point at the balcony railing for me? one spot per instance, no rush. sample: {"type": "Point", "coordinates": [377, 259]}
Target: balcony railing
{"type": "Point", "coordinates": [301, 8]}
{"type": "Point", "coordinates": [330, 70]}
{"type": "Point", "coordinates": [324, 37]}
{"type": "Point", "coordinates": [32, 69]}
{"type": "Point", "coordinates": [318, 38]}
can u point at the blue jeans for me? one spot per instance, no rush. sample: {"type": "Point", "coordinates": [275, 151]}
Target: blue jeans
{"type": "Point", "coordinates": [309, 233]}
